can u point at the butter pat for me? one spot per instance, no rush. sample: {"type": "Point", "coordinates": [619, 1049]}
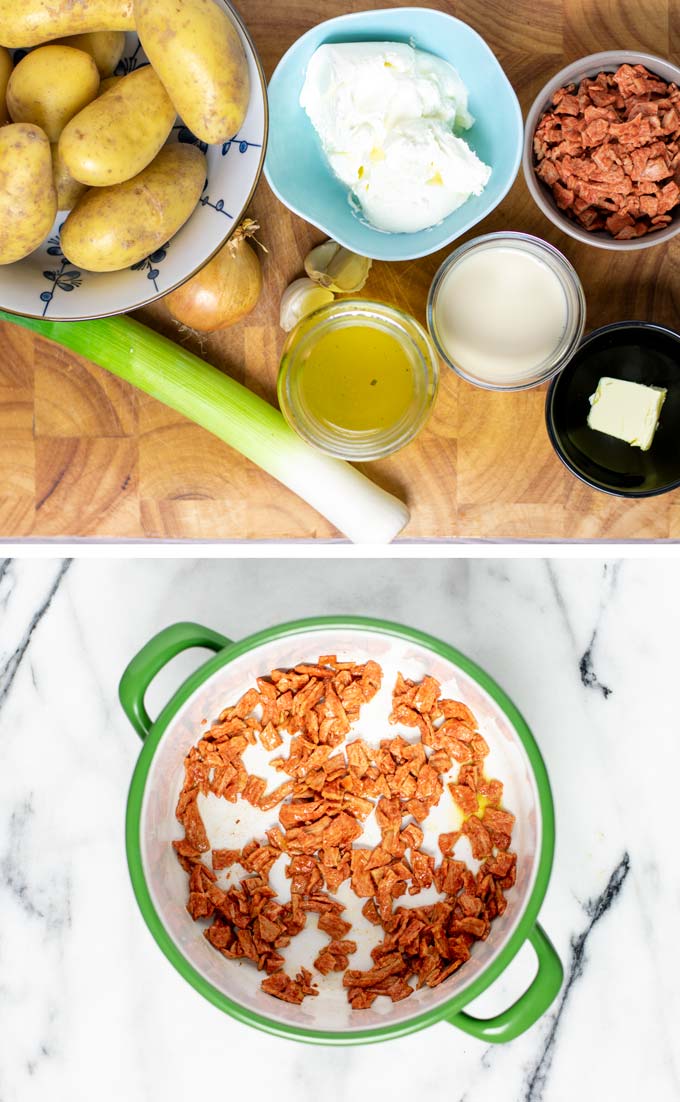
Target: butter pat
{"type": "Point", "coordinates": [385, 114]}
{"type": "Point", "coordinates": [628, 411]}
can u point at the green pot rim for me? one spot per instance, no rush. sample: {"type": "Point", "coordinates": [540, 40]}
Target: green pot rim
{"type": "Point", "coordinates": [524, 927]}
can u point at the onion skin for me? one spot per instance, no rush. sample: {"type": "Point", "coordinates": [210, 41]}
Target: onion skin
{"type": "Point", "coordinates": [223, 292]}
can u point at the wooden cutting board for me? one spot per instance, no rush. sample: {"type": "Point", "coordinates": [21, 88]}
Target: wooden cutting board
{"type": "Point", "coordinates": [82, 454]}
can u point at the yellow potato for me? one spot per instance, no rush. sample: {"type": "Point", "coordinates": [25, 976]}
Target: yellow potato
{"type": "Point", "coordinates": [51, 85]}
{"type": "Point", "coordinates": [26, 23]}
{"type": "Point", "coordinates": [108, 82]}
{"type": "Point", "coordinates": [118, 134]}
{"type": "Point", "coordinates": [28, 200]}
{"type": "Point", "coordinates": [115, 227]}
{"type": "Point", "coordinates": [104, 47]}
{"type": "Point", "coordinates": [68, 190]}
{"type": "Point", "coordinates": [5, 70]}
{"type": "Point", "coordinates": [196, 51]}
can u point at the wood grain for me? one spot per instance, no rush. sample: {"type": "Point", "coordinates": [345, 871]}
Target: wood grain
{"type": "Point", "coordinates": [82, 454]}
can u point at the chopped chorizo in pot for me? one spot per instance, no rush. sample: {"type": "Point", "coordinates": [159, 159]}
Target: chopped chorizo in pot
{"type": "Point", "coordinates": [333, 786]}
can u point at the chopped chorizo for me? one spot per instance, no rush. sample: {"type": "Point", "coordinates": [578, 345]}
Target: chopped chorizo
{"type": "Point", "coordinates": [600, 143]}
{"type": "Point", "coordinates": [333, 786]}
{"type": "Point", "coordinates": [281, 986]}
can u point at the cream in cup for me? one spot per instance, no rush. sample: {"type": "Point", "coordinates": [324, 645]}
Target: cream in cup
{"type": "Point", "coordinates": [506, 311]}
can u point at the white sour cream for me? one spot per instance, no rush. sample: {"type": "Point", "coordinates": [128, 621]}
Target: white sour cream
{"type": "Point", "coordinates": [385, 114]}
{"type": "Point", "coordinates": [500, 313]}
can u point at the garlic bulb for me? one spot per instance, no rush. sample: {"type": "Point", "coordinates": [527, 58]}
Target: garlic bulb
{"type": "Point", "coordinates": [333, 266]}
{"type": "Point", "coordinates": [301, 298]}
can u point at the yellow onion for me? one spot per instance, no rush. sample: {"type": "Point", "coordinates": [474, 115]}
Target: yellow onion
{"type": "Point", "coordinates": [225, 290]}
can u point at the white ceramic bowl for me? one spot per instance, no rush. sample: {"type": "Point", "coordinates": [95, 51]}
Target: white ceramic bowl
{"type": "Point", "coordinates": [606, 62]}
{"type": "Point", "coordinates": [45, 284]}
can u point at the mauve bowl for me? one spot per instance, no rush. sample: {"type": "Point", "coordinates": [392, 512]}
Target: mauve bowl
{"type": "Point", "coordinates": [608, 61]}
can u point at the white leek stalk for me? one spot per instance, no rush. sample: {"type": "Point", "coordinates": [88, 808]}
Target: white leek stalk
{"type": "Point", "coordinates": [175, 376]}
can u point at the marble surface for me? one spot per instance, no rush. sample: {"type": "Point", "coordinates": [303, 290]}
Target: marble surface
{"type": "Point", "coordinates": [89, 1008]}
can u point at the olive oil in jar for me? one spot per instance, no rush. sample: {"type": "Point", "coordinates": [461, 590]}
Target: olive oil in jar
{"type": "Point", "coordinates": [358, 378]}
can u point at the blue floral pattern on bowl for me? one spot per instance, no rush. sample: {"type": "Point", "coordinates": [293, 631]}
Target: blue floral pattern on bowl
{"type": "Point", "coordinates": [64, 278]}
{"type": "Point", "coordinates": [218, 206]}
{"type": "Point", "coordinates": [130, 62]}
{"type": "Point", "coordinates": [241, 144]}
{"type": "Point", "coordinates": [150, 264]}
{"type": "Point", "coordinates": [46, 283]}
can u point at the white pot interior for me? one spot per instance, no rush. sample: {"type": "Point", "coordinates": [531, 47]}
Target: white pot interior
{"type": "Point", "coordinates": [232, 825]}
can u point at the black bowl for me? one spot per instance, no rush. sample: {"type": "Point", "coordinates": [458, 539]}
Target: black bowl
{"type": "Point", "coordinates": [641, 353]}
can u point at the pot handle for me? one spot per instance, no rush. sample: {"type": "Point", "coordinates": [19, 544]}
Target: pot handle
{"type": "Point", "coordinates": [529, 1007]}
{"type": "Point", "coordinates": [150, 660]}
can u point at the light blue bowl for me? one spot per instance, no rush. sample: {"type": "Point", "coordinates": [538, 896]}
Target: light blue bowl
{"type": "Point", "coordinates": [296, 167]}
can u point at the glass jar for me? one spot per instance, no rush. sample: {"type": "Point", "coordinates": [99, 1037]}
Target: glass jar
{"type": "Point", "coordinates": [574, 304]}
{"type": "Point", "coordinates": [357, 379]}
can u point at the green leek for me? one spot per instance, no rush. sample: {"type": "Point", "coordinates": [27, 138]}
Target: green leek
{"type": "Point", "coordinates": [350, 501]}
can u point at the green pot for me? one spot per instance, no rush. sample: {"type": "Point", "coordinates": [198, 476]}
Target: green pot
{"type": "Point", "coordinates": [160, 885]}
